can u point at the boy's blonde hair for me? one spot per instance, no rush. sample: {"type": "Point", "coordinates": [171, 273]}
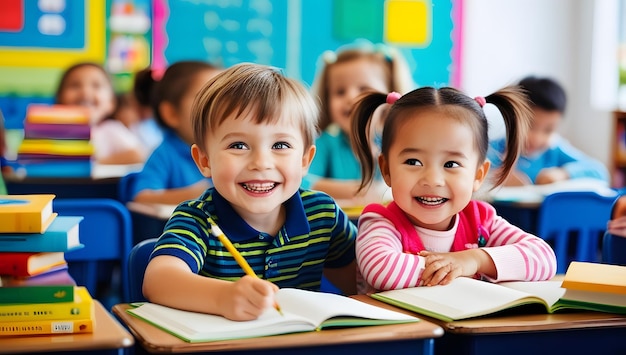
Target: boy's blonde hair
{"type": "Point", "coordinates": [259, 89]}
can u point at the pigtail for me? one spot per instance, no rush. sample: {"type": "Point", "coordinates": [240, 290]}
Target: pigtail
{"type": "Point", "coordinates": [362, 114]}
{"type": "Point", "coordinates": [516, 112]}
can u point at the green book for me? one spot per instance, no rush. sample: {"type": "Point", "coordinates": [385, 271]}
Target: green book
{"type": "Point", "coordinates": [36, 294]}
{"type": "Point", "coordinates": [302, 311]}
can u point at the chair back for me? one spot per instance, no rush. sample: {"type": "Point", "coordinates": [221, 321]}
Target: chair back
{"type": "Point", "coordinates": [125, 187]}
{"type": "Point", "coordinates": [613, 249]}
{"type": "Point", "coordinates": [106, 232]}
{"type": "Point", "coordinates": [137, 263]}
{"type": "Point", "coordinates": [574, 220]}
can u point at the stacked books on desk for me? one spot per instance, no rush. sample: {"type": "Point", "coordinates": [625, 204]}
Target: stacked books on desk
{"type": "Point", "coordinates": [586, 286]}
{"type": "Point", "coordinates": [56, 142]}
{"type": "Point", "coordinates": [37, 294]}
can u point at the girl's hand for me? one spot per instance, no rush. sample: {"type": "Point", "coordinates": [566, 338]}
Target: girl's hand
{"type": "Point", "coordinates": [617, 226]}
{"type": "Point", "coordinates": [442, 268]}
{"type": "Point", "coordinates": [247, 298]}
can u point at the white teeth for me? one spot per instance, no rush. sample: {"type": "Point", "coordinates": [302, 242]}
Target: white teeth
{"type": "Point", "coordinates": [431, 200]}
{"type": "Point", "coordinates": [260, 187]}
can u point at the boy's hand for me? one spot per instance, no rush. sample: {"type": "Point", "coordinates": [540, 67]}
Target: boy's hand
{"type": "Point", "coordinates": [442, 268]}
{"type": "Point", "coordinates": [247, 298]}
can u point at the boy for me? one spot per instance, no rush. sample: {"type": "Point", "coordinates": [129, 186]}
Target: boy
{"type": "Point", "coordinates": [546, 157]}
{"type": "Point", "coordinates": [254, 131]}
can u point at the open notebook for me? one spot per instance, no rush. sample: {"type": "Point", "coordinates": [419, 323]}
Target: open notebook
{"type": "Point", "coordinates": [302, 311]}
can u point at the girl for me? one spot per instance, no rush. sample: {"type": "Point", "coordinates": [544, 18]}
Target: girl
{"type": "Point", "coordinates": [434, 144]}
{"type": "Point", "coordinates": [170, 175]}
{"type": "Point", "coordinates": [335, 169]}
{"type": "Point", "coordinates": [88, 84]}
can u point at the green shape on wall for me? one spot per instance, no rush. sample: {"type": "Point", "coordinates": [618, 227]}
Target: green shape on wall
{"type": "Point", "coordinates": [353, 19]}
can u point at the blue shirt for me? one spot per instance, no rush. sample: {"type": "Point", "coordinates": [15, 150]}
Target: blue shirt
{"type": "Point", "coordinates": [170, 166]}
{"type": "Point", "coordinates": [334, 158]}
{"type": "Point", "coordinates": [316, 234]}
{"type": "Point", "coordinates": [560, 154]}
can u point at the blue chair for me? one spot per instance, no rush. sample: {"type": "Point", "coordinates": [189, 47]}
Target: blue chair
{"type": "Point", "coordinates": [137, 263]}
{"type": "Point", "coordinates": [106, 232]}
{"type": "Point", "coordinates": [125, 186]}
{"type": "Point", "coordinates": [582, 215]}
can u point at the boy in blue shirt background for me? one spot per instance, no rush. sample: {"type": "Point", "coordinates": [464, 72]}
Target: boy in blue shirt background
{"type": "Point", "coordinates": [546, 156]}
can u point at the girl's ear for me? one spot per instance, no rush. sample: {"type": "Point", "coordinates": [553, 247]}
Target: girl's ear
{"type": "Point", "coordinates": [169, 114]}
{"type": "Point", "coordinates": [202, 160]}
{"type": "Point", "coordinates": [481, 174]}
{"type": "Point", "coordinates": [384, 169]}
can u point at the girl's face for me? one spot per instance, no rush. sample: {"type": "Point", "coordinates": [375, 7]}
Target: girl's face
{"type": "Point", "coordinates": [346, 81]}
{"type": "Point", "coordinates": [256, 167]}
{"type": "Point", "coordinates": [432, 168]}
{"type": "Point", "coordinates": [90, 87]}
{"type": "Point", "coordinates": [181, 121]}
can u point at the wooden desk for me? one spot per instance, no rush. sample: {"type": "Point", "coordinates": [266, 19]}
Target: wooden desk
{"type": "Point", "coordinates": [564, 333]}
{"type": "Point", "coordinates": [413, 338]}
{"type": "Point", "coordinates": [108, 334]}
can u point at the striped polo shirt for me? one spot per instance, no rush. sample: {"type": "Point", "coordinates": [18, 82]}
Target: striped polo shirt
{"type": "Point", "coordinates": [316, 234]}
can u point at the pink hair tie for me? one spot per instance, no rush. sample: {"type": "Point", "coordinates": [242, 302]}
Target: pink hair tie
{"type": "Point", "coordinates": [392, 97]}
{"type": "Point", "coordinates": [481, 101]}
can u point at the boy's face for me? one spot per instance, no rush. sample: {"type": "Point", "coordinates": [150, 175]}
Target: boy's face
{"type": "Point", "coordinates": [542, 129]}
{"type": "Point", "coordinates": [256, 167]}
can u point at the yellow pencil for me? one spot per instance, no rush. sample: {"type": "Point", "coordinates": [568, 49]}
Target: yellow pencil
{"type": "Point", "coordinates": [217, 232]}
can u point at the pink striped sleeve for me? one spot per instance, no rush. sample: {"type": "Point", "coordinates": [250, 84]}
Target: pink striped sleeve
{"type": "Point", "coordinates": [518, 255]}
{"type": "Point", "coordinates": [379, 255]}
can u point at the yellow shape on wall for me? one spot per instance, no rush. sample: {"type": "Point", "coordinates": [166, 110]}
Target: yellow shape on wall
{"type": "Point", "coordinates": [408, 22]}
{"type": "Point", "coordinates": [94, 49]}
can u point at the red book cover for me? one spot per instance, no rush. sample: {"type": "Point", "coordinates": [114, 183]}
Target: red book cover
{"type": "Point", "coordinates": [29, 264]}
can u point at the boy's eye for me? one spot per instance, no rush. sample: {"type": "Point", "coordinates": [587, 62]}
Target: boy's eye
{"type": "Point", "coordinates": [415, 162]}
{"type": "Point", "coordinates": [237, 145]}
{"type": "Point", "coordinates": [281, 145]}
{"type": "Point", "coordinates": [451, 164]}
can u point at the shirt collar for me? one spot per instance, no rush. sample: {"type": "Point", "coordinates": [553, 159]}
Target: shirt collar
{"type": "Point", "coordinates": [296, 222]}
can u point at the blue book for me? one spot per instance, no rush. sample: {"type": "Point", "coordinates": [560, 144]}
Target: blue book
{"type": "Point", "coordinates": [61, 236]}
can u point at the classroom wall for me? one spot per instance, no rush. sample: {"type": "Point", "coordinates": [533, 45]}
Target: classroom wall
{"type": "Point", "coordinates": [506, 40]}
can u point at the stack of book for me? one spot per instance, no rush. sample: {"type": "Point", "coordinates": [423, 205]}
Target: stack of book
{"type": "Point", "coordinates": [37, 294]}
{"type": "Point", "coordinates": [56, 142]}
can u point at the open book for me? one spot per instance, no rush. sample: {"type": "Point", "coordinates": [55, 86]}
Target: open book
{"type": "Point", "coordinates": [302, 311]}
{"type": "Point", "coordinates": [467, 298]}
{"type": "Point", "coordinates": [536, 193]}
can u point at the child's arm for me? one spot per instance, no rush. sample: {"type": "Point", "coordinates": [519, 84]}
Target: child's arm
{"type": "Point", "coordinates": [169, 281]}
{"type": "Point", "coordinates": [343, 277]}
{"type": "Point", "coordinates": [617, 226]}
{"type": "Point", "coordinates": [173, 196]}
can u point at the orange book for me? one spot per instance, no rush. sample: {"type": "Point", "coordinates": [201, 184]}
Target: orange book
{"type": "Point", "coordinates": [595, 277]}
{"type": "Point", "coordinates": [29, 264]}
{"type": "Point", "coordinates": [47, 327]}
{"type": "Point", "coordinates": [57, 114]}
{"type": "Point", "coordinates": [26, 213]}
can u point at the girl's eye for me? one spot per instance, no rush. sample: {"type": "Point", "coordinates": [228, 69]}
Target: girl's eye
{"type": "Point", "coordinates": [281, 145]}
{"type": "Point", "coordinates": [237, 145]}
{"type": "Point", "coordinates": [415, 162]}
{"type": "Point", "coordinates": [451, 164]}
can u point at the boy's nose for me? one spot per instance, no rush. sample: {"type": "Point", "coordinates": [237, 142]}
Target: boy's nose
{"type": "Point", "coordinates": [261, 159]}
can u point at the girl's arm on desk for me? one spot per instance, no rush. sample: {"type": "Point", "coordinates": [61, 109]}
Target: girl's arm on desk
{"type": "Point", "coordinates": [172, 196]}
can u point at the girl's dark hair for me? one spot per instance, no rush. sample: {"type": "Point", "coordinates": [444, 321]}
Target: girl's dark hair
{"type": "Point", "coordinates": [143, 84]}
{"type": "Point", "coordinates": [174, 84]}
{"type": "Point", "coordinates": [74, 67]}
{"type": "Point", "coordinates": [511, 102]}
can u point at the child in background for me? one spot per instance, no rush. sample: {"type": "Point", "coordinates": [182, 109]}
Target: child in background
{"type": "Point", "coordinates": [344, 76]}
{"type": "Point", "coordinates": [88, 84]}
{"type": "Point", "coordinates": [147, 128]}
{"type": "Point", "coordinates": [433, 156]}
{"type": "Point", "coordinates": [254, 131]}
{"type": "Point", "coordinates": [170, 175]}
{"type": "Point", "coordinates": [546, 157]}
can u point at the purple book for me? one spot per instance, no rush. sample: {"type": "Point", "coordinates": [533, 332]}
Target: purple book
{"type": "Point", "coordinates": [56, 131]}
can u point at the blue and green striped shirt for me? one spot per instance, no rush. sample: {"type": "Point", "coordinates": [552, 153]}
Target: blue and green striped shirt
{"type": "Point", "coordinates": [316, 234]}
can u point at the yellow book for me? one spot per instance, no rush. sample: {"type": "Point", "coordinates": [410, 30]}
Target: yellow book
{"type": "Point", "coordinates": [57, 114]}
{"type": "Point", "coordinates": [81, 308]}
{"type": "Point", "coordinates": [69, 147]}
{"type": "Point", "coordinates": [47, 327]}
{"type": "Point", "coordinates": [594, 277]}
{"type": "Point", "coordinates": [26, 213]}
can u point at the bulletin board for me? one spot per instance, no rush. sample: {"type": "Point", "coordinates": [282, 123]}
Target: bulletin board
{"type": "Point", "coordinates": [292, 34]}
